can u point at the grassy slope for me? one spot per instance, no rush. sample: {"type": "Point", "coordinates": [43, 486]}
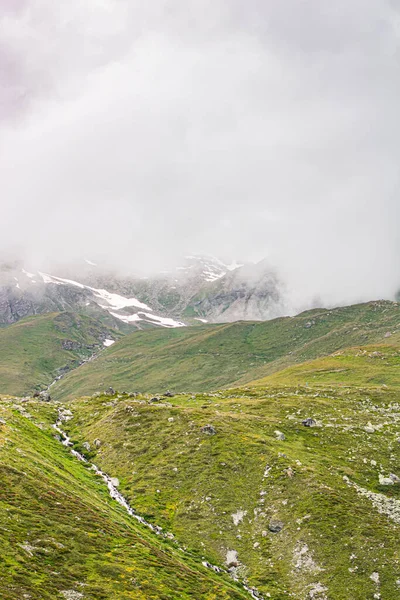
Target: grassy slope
{"type": "Point", "coordinates": [192, 483]}
{"type": "Point", "coordinates": [32, 354]}
{"type": "Point", "coordinates": [209, 357]}
{"type": "Point", "coordinates": [364, 365]}
{"type": "Point", "coordinates": [60, 531]}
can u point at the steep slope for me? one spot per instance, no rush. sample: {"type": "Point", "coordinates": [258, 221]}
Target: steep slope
{"type": "Point", "coordinates": [212, 356]}
{"type": "Point", "coordinates": [23, 293]}
{"type": "Point", "coordinates": [38, 349]}
{"type": "Point", "coordinates": [63, 537]}
{"type": "Point", "coordinates": [304, 511]}
{"type": "Point", "coordinates": [203, 288]}
{"type": "Point", "coordinates": [252, 292]}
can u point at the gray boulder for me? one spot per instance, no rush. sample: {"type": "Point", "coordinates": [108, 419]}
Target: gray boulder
{"type": "Point", "coordinates": [309, 422]}
{"type": "Point", "coordinates": [208, 430]}
{"type": "Point", "coordinates": [275, 526]}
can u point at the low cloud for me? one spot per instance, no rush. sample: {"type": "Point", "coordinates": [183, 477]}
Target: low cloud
{"type": "Point", "coordinates": [132, 133]}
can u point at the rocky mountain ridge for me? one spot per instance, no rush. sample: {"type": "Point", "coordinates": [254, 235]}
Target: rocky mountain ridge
{"type": "Point", "coordinates": [202, 289]}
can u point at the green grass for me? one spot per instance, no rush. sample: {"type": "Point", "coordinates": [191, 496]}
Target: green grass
{"type": "Point", "coordinates": [32, 354]}
{"type": "Point", "coordinates": [208, 357]}
{"type": "Point", "coordinates": [363, 366]}
{"type": "Point", "coordinates": [60, 531]}
{"type": "Point", "coordinates": [192, 483]}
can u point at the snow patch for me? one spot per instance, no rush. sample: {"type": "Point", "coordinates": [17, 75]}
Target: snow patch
{"type": "Point", "coordinates": [30, 275]}
{"type": "Point", "coordinates": [48, 279]}
{"type": "Point", "coordinates": [115, 301]}
{"type": "Point", "coordinates": [233, 266]}
{"type": "Point", "coordinates": [164, 321]}
{"type": "Point", "coordinates": [126, 318]}
{"type": "Point", "coordinates": [201, 320]}
{"type": "Point", "coordinates": [89, 262]}
{"type": "Point", "coordinates": [118, 302]}
{"type": "Point", "coordinates": [108, 343]}
{"type": "Point", "coordinates": [141, 316]}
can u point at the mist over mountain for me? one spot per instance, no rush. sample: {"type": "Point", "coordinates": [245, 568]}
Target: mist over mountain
{"type": "Point", "coordinates": [136, 133]}
{"type": "Point", "coordinates": [199, 299]}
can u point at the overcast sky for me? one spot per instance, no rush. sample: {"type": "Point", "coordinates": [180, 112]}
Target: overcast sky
{"type": "Point", "coordinates": [136, 131]}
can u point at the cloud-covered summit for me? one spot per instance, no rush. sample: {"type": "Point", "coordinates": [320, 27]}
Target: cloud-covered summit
{"type": "Point", "coordinates": [136, 132]}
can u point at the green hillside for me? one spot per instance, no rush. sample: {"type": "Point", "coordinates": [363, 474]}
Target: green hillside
{"type": "Point", "coordinates": [34, 351]}
{"type": "Point", "coordinates": [302, 512]}
{"type": "Point", "coordinates": [62, 537]}
{"type": "Point", "coordinates": [235, 477]}
{"type": "Point", "coordinates": [363, 366]}
{"type": "Point", "coordinates": [208, 357]}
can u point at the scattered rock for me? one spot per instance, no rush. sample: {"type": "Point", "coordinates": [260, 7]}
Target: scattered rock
{"type": "Point", "coordinates": [155, 399]}
{"type": "Point", "coordinates": [2, 422]}
{"type": "Point", "coordinates": [208, 430]}
{"type": "Point", "coordinates": [275, 526]}
{"type": "Point", "coordinates": [238, 516]}
{"type": "Point", "coordinates": [232, 558]}
{"type": "Point", "coordinates": [318, 592]}
{"type": "Point", "coordinates": [394, 478]}
{"type": "Point", "coordinates": [388, 334]}
{"type": "Point", "coordinates": [303, 559]}
{"type": "Point", "coordinates": [385, 480]}
{"type": "Point", "coordinates": [384, 505]}
{"type": "Point", "coordinates": [168, 394]}
{"type": "Point", "coordinates": [71, 595]}
{"type": "Point", "coordinates": [309, 422]}
{"type": "Point", "coordinates": [375, 577]}
{"type": "Point", "coordinates": [110, 391]}
{"type": "Point", "coordinates": [279, 435]}
{"type": "Point", "coordinates": [64, 415]}
{"type": "Point", "coordinates": [369, 428]}
{"type": "Point", "coordinates": [97, 443]}
{"type": "Point", "coordinates": [114, 481]}
{"type": "Point", "coordinates": [70, 345]}
{"type": "Point", "coordinates": [86, 445]}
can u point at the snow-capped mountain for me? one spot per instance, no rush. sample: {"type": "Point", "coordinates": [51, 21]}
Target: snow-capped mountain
{"type": "Point", "coordinates": [207, 268]}
{"type": "Point", "coordinates": [201, 289]}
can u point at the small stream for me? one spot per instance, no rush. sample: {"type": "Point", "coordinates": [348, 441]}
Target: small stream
{"type": "Point", "coordinates": [118, 497]}
{"type": "Point", "coordinates": [114, 493]}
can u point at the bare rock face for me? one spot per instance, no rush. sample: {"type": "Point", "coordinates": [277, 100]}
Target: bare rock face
{"type": "Point", "coordinates": [252, 292]}
{"type": "Point", "coordinates": [70, 345]}
{"type": "Point", "coordinates": [203, 288]}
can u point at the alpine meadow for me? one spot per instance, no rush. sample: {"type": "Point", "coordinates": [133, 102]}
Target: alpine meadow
{"type": "Point", "coordinates": [199, 300]}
